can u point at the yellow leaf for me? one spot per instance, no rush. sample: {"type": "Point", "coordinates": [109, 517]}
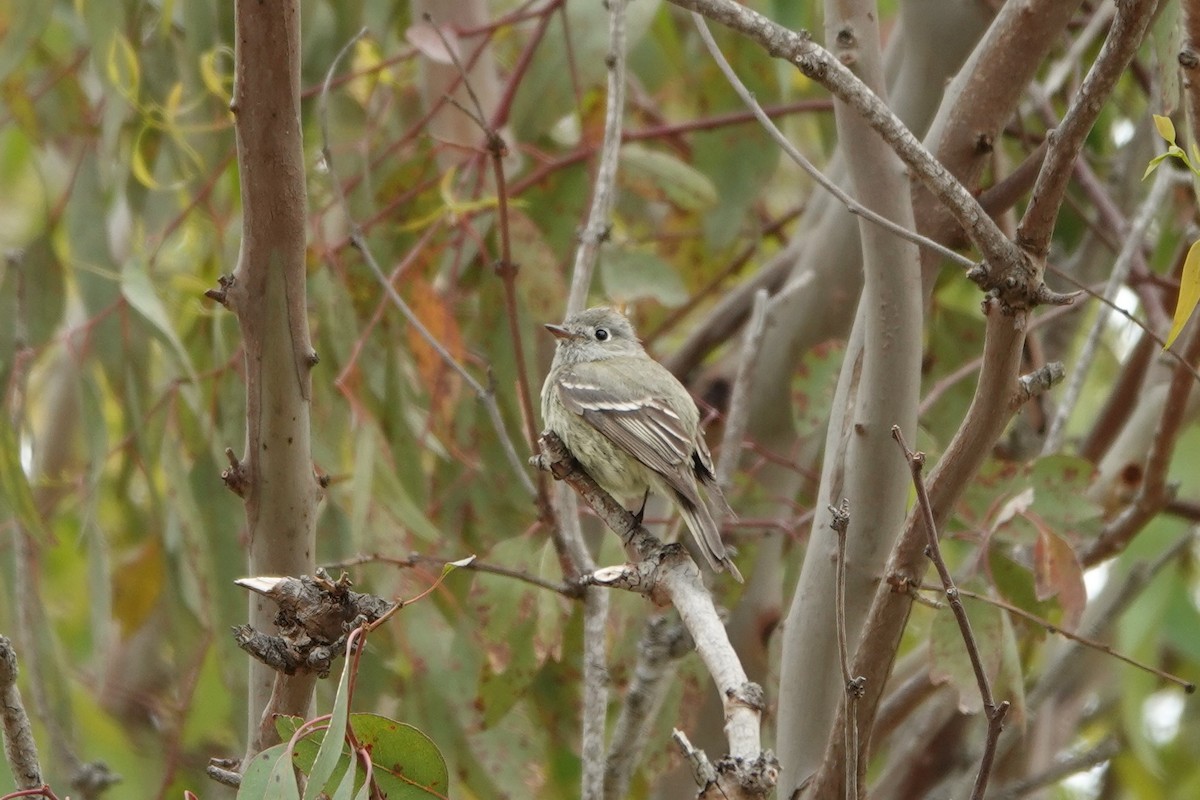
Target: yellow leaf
{"type": "Point", "coordinates": [218, 82]}
{"type": "Point", "coordinates": [1166, 128]}
{"type": "Point", "coordinates": [122, 68]}
{"type": "Point", "coordinates": [137, 585]}
{"type": "Point", "coordinates": [174, 101]}
{"type": "Point", "coordinates": [1189, 292]}
{"type": "Point", "coordinates": [137, 164]}
{"type": "Point", "coordinates": [367, 66]}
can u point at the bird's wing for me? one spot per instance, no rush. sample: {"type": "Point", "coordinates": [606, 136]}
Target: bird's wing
{"type": "Point", "coordinates": [706, 472]}
{"type": "Point", "coordinates": [639, 423]}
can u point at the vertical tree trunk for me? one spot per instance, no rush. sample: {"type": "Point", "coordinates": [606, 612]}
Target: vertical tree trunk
{"type": "Point", "coordinates": [268, 295]}
{"type": "Point", "coordinates": [878, 387]}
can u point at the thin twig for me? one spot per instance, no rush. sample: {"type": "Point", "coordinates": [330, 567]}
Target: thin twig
{"type": "Point", "coordinates": [995, 712]}
{"type": "Point", "coordinates": [996, 602]}
{"type": "Point", "coordinates": [852, 205]}
{"type": "Point", "coordinates": [737, 417]}
{"type": "Point", "coordinates": [840, 522]}
{"type": "Point", "coordinates": [416, 559]}
{"type": "Point", "coordinates": [1171, 353]}
{"type": "Point", "coordinates": [485, 395]}
{"type": "Point", "coordinates": [1065, 142]}
{"type": "Point", "coordinates": [595, 232]}
{"type": "Point", "coordinates": [1071, 765]}
{"type": "Point", "coordinates": [1116, 279]}
{"type": "Point", "coordinates": [596, 229]}
{"type": "Point", "coordinates": [1006, 270]}
{"type": "Point", "coordinates": [506, 268]}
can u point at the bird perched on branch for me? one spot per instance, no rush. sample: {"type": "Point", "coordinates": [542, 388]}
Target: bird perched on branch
{"type": "Point", "coordinates": [632, 424]}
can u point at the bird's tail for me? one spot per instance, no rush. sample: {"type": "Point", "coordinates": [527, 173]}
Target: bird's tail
{"type": "Point", "coordinates": [707, 533]}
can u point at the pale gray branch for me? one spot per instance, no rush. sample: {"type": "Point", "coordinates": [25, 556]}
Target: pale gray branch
{"type": "Point", "coordinates": [596, 228]}
{"type": "Point", "coordinates": [1116, 279]}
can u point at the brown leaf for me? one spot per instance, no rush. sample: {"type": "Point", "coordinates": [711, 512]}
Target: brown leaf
{"type": "Point", "coordinates": [440, 381]}
{"type": "Point", "coordinates": [1057, 572]}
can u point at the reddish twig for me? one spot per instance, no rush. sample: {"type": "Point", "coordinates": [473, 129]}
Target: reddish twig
{"type": "Point", "coordinates": [995, 712]}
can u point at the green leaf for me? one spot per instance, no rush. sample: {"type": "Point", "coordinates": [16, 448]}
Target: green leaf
{"type": "Point", "coordinates": [570, 62]}
{"type": "Point", "coordinates": [739, 161]}
{"type": "Point", "coordinates": [393, 495]}
{"type": "Point", "coordinates": [628, 275]}
{"type": "Point", "coordinates": [16, 498]}
{"type": "Point", "coordinates": [1189, 293]}
{"type": "Point", "coordinates": [260, 781]}
{"type": "Point", "coordinates": [407, 764]}
{"type": "Point", "coordinates": [1014, 583]}
{"type": "Point", "coordinates": [286, 725]}
{"type": "Point", "coordinates": [24, 24]}
{"type": "Point", "coordinates": [122, 68]}
{"type": "Point", "coordinates": [281, 783]}
{"type": "Point", "coordinates": [345, 789]}
{"type": "Point", "coordinates": [1166, 128]}
{"type": "Point", "coordinates": [684, 185]}
{"type": "Point", "coordinates": [45, 291]}
{"type": "Point", "coordinates": [1061, 497]}
{"type": "Point", "coordinates": [1153, 165]}
{"type": "Point", "coordinates": [335, 735]}
{"type": "Point", "coordinates": [138, 289]}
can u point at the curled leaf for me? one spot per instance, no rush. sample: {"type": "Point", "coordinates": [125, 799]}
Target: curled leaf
{"type": "Point", "coordinates": [1189, 293]}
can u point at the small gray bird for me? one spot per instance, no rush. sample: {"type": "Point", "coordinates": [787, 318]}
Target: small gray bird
{"type": "Point", "coordinates": [632, 424]}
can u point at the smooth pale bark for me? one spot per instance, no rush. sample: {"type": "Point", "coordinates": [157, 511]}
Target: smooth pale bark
{"type": "Point", "coordinates": [878, 387]}
{"type": "Point", "coordinates": [268, 295]}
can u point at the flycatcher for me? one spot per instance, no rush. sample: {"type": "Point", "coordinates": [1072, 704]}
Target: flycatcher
{"type": "Point", "coordinates": [632, 424]}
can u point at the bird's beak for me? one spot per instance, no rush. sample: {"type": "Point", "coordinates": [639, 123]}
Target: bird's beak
{"type": "Point", "coordinates": [560, 332]}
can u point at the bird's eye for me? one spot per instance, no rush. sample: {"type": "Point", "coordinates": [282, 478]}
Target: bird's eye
{"type": "Point", "coordinates": [601, 334]}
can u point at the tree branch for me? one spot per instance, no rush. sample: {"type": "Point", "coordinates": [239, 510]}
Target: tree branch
{"type": "Point", "coordinates": [662, 642]}
{"type": "Point", "coordinates": [665, 573]}
{"type": "Point", "coordinates": [1006, 270]}
{"type": "Point", "coordinates": [1153, 493]}
{"type": "Point", "coordinates": [852, 205]}
{"type": "Point", "coordinates": [1065, 142]}
{"type": "Point", "coordinates": [19, 746]}
{"type": "Point", "coordinates": [739, 399]}
{"type": "Point", "coordinates": [267, 292]}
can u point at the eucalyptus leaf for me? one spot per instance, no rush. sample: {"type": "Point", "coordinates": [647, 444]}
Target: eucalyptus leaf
{"type": "Point", "coordinates": [628, 274]}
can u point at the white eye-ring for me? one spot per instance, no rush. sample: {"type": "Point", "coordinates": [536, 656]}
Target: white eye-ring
{"type": "Point", "coordinates": [601, 334]}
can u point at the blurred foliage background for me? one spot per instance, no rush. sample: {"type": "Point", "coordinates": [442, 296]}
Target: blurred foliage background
{"type": "Point", "coordinates": [119, 207]}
